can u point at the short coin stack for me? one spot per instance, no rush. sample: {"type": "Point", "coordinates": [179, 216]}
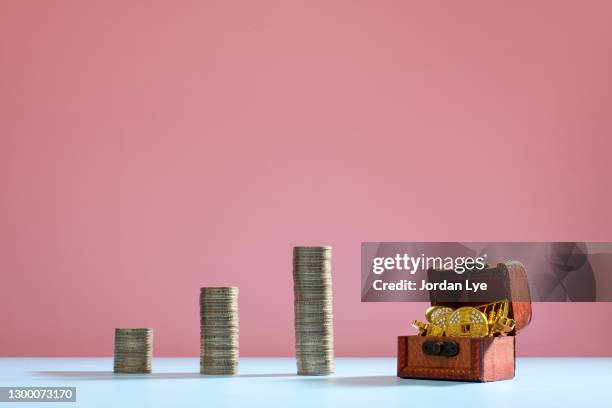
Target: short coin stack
{"type": "Point", "coordinates": [133, 351]}
{"type": "Point", "coordinates": [314, 330]}
{"type": "Point", "coordinates": [219, 331]}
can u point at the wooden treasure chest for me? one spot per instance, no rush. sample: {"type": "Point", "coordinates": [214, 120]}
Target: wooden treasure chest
{"type": "Point", "coordinates": [457, 354]}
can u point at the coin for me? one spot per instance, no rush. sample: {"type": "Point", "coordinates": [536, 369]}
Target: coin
{"type": "Point", "coordinates": [434, 312]}
{"type": "Point", "coordinates": [313, 309]}
{"type": "Point", "coordinates": [467, 322]}
{"type": "Point", "coordinates": [133, 350]}
{"type": "Point", "coordinates": [219, 330]}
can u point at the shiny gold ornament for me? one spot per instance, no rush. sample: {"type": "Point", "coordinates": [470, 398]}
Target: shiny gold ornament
{"type": "Point", "coordinates": [437, 317]}
{"type": "Point", "coordinates": [420, 326]}
{"type": "Point", "coordinates": [499, 308]}
{"type": "Point", "coordinates": [498, 320]}
{"type": "Point", "coordinates": [434, 330]}
{"type": "Point", "coordinates": [467, 322]}
{"type": "Point", "coordinates": [502, 326]}
{"type": "Point", "coordinates": [428, 329]}
{"type": "Point", "coordinates": [433, 312]}
{"type": "Point", "coordinates": [438, 314]}
{"type": "Point", "coordinates": [490, 319]}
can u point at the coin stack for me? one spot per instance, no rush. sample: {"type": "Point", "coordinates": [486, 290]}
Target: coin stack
{"type": "Point", "coordinates": [314, 330]}
{"type": "Point", "coordinates": [219, 331]}
{"type": "Point", "coordinates": [133, 351]}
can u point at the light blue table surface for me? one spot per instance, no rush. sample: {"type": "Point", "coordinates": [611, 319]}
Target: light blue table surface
{"type": "Point", "coordinates": [264, 382]}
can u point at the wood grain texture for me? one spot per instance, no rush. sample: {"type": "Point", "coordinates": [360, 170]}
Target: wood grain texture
{"type": "Point", "coordinates": [520, 307]}
{"type": "Point", "coordinates": [498, 359]}
{"type": "Point", "coordinates": [479, 359]}
{"type": "Point", "coordinates": [402, 349]}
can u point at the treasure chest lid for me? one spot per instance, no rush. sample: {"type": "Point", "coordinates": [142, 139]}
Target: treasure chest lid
{"type": "Point", "coordinates": [506, 281]}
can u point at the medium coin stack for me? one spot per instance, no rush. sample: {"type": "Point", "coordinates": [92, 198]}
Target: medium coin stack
{"type": "Point", "coordinates": [314, 330]}
{"type": "Point", "coordinates": [133, 351]}
{"type": "Point", "coordinates": [219, 331]}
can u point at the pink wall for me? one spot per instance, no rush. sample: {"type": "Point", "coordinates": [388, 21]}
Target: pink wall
{"type": "Point", "coordinates": [150, 148]}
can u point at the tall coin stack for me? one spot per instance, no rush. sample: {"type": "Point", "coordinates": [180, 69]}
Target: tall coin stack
{"type": "Point", "coordinates": [314, 330]}
{"type": "Point", "coordinates": [133, 351]}
{"type": "Point", "coordinates": [219, 331]}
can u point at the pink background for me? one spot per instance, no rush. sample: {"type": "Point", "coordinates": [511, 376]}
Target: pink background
{"type": "Point", "coordinates": [150, 148]}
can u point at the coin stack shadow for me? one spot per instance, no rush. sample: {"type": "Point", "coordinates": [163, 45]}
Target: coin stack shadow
{"type": "Point", "coordinates": [133, 351]}
{"type": "Point", "coordinates": [314, 330]}
{"type": "Point", "coordinates": [219, 331]}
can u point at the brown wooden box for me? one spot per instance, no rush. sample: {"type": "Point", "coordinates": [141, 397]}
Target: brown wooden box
{"type": "Point", "coordinates": [478, 359]}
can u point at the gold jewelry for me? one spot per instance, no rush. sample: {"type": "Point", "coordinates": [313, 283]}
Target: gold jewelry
{"type": "Point", "coordinates": [490, 319]}
{"type": "Point", "coordinates": [420, 326]}
{"type": "Point", "coordinates": [467, 322]}
{"type": "Point", "coordinates": [434, 330]}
